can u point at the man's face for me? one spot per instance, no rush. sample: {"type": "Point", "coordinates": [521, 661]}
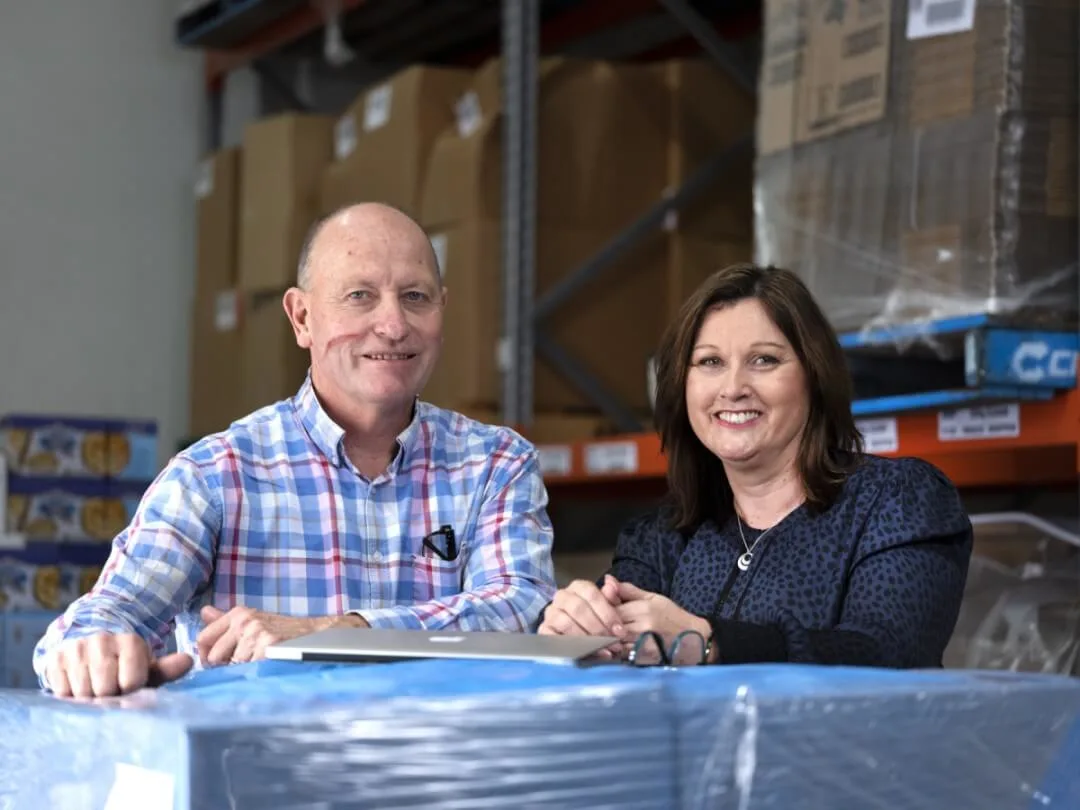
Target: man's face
{"type": "Point", "coordinates": [374, 310]}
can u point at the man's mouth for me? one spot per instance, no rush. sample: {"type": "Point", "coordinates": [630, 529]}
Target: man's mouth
{"type": "Point", "coordinates": [390, 356]}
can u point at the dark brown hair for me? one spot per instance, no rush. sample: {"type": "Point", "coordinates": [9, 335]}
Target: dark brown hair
{"type": "Point", "coordinates": [830, 445]}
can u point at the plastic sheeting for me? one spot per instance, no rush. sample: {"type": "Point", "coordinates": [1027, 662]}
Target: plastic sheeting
{"type": "Point", "coordinates": [459, 734]}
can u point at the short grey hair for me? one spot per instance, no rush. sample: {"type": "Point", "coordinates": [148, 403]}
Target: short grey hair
{"type": "Point", "coordinates": [303, 269]}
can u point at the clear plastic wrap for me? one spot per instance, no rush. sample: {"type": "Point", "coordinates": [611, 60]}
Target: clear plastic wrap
{"type": "Point", "coordinates": [947, 185]}
{"type": "Point", "coordinates": [496, 734]}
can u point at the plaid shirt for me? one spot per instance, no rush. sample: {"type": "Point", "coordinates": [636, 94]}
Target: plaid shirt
{"type": "Point", "coordinates": [272, 515]}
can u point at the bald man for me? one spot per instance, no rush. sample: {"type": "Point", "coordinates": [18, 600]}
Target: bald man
{"type": "Point", "coordinates": [351, 504]}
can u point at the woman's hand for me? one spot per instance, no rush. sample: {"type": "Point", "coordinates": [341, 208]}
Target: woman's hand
{"type": "Point", "coordinates": [641, 612]}
{"type": "Point", "coordinates": [582, 609]}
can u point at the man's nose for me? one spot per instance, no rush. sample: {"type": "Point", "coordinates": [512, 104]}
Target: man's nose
{"type": "Point", "coordinates": [390, 321]}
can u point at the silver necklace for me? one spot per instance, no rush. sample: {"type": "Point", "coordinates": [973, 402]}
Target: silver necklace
{"type": "Point", "coordinates": [748, 557]}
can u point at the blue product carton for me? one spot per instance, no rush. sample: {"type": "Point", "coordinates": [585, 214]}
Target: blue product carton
{"type": "Point", "coordinates": [48, 576]}
{"type": "Point", "coordinates": [21, 632]}
{"type": "Point", "coordinates": [70, 446]}
{"type": "Point", "coordinates": [64, 509]}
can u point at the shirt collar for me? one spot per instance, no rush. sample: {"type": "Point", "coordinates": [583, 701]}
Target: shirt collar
{"type": "Point", "coordinates": [329, 436]}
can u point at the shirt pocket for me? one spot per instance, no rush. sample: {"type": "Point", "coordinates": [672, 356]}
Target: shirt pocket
{"type": "Point", "coordinates": [436, 578]}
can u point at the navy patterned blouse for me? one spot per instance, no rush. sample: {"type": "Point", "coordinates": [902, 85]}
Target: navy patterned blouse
{"type": "Point", "coordinates": [874, 580]}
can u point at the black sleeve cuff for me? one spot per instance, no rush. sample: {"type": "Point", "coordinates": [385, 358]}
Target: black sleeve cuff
{"type": "Point", "coordinates": [746, 643]}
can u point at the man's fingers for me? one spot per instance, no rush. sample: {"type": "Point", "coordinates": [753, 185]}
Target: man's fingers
{"type": "Point", "coordinates": [58, 680]}
{"type": "Point", "coordinates": [218, 625]}
{"type": "Point", "coordinates": [133, 660]}
{"type": "Point", "coordinates": [77, 668]}
{"type": "Point", "coordinates": [104, 667]}
{"type": "Point", "coordinates": [223, 649]}
{"type": "Point", "coordinates": [169, 668]}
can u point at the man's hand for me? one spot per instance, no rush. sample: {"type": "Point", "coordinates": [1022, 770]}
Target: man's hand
{"type": "Point", "coordinates": [582, 609]}
{"type": "Point", "coordinates": [107, 664]}
{"type": "Point", "coordinates": [243, 634]}
{"type": "Point", "coordinates": [641, 612]}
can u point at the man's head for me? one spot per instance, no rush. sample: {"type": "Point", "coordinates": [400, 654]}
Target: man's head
{"type": "Point", "coordinates": [368, 305]}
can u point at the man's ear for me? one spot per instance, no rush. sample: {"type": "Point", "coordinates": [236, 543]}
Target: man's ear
{"type": "Point", "coordinates": [296, 308]}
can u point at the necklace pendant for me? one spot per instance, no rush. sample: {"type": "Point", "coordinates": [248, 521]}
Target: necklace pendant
{"type": "Point", "coordinates": [745, 560]}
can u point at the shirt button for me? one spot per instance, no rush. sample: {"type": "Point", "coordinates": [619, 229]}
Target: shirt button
{"type": "Point", "coordinates": [377, 556]}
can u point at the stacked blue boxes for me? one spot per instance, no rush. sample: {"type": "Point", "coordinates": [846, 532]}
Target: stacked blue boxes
{"type": "Point", "coordinates": [492, 734]}
{"type": "Point", "coordinates": [73, 483]}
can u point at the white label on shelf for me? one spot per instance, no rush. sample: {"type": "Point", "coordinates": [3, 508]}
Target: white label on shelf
{"type": "Point", "coordinates": [504, 354]}
{"type": "Point", "coordinates": [879, 435]}
{"type": "Point", "coordinates": [438, 246]}
{"type": "Point", "coordinates": [983, 422]}
{"type": "Point", "coordinates": [344, 136]}
{"type": "Point", "coordinates": [935, 18]}
{"type": "Point", "coordinates": [468, 114]}
{"type": "Point", "coordinates": [204, 179]}
{"type": "Point", "coordinates": [136, 788]}
{"type": "Point", "coordinates": [555, 459]}
{"type": "Point", "coordinates": [226, 311]}
{"type": "Point", "coordinates": [377, 107]}
{"type": "Point", "coordinates": [611, 457]}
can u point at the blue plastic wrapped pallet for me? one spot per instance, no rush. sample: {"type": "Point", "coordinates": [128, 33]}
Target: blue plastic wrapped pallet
{"type": "Point", "coordinates": [461, 734]}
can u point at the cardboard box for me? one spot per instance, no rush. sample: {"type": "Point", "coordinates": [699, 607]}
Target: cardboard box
{"type": "Point", "coordinates": [217, 212]}
{"type": "Point", "coordinates": [961, 199]}
{"type": "Point", "coordinates": [216, 388]}
{"type": "Point", "coordinates": [283, 162]}
{"type": "Point", "coordinates": [691, 260]}
{"type": "Point", "coordinates": [272, 365]}
{"type": "Point", "coordinates": [383, 142]}
{"type": "Point", "coordinates": [708, 113]}
{"type": "Point", "coordinates": [595, 118]}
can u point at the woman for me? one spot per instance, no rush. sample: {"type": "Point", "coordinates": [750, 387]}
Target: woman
{"type": "Point", "coordinates": [781, 540]}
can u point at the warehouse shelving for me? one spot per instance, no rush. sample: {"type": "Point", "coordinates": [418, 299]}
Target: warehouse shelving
{"type": "Point", "coordinates": [1039, 442]}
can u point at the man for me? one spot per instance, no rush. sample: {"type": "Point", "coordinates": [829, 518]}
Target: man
{"type": "Point", "coordinates": [351, 504]}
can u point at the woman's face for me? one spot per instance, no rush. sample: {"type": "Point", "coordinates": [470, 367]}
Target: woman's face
{"type": "Point", "coordinates": [746, 393]}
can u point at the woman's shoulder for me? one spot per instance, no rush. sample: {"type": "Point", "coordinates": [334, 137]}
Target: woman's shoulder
{"type": "Point", "coordinates": [905, 498]}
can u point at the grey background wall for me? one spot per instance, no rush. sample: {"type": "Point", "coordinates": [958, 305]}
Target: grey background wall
{"type": "Point", "coordinates": [101, 131]}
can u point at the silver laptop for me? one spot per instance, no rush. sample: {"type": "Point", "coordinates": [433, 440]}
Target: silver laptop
{"type": "Point", "coordinates": [354, 644]}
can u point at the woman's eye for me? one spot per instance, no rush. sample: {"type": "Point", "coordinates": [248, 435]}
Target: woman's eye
{"type": "Point", "coordinates": [765, 360]}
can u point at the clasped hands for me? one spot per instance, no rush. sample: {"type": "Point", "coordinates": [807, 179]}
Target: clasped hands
{"type": "Point", "coordinates": [622, 610]}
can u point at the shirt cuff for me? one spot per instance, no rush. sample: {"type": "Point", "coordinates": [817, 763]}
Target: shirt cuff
{"type": "Point", "coordinates": [396, 618]}
{"type": "Point", "coordinates": [747, 643]}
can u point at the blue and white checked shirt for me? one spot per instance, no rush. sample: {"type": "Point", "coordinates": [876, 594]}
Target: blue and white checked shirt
{"type": "Point", "coordinates": [272, 515]}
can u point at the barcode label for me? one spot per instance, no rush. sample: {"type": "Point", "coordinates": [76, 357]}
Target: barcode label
{"type": "Point", "coordinates": [879, 435]}
{"type": "Point", "coordinates": [935, 19]}
{"type": "Point", "coordinates": [555, 459]}
{"type": "Point", "coordinates": [226, 311]}
{"type": "Point", "coordinates": [204, 180]}
{"type": "Point", "coordinates": [611, 457]}
{"type": "Point", "coordinates": [468, 114]}
{"type": "Point", "coordinates": [987, 422]}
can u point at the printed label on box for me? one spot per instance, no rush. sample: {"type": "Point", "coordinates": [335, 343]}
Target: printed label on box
{"type": "Point", "coordinates": [204, 180]}
{"type": "Point", "coordinates": [226, 311]}
{"type": "Point", "coordinates": [984, 422]}
{"type": "Point", "coordinates": [611, 457]}
{"type": "Point", "coordinates": [344, 136]}
{"type": "Point", "coordinates": [555, 459]}
{"type": "Point", "coordinates": [468, 114]}
{"type": "Point", "coordinates": [879, 435]}
{"type": "Point", "coordinates": [377, 107]}
{"type": "Point", "coordinates": [935, 18]}
{"type": "Point", "coordinates": [438, 245]}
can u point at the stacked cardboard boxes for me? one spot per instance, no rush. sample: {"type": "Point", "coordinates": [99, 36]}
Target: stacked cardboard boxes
{"type": "Point", "coordinates": [255, 205]}
{"type": "Point", "coordinates": [919, 160]}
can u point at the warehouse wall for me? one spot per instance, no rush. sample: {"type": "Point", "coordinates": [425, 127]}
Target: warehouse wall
{"type": "Point", "coordinates": [101, 130]}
